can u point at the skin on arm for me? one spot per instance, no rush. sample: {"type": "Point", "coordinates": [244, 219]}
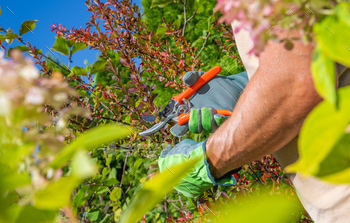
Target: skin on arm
{"type": "Point", "coordinates": [269, 113]}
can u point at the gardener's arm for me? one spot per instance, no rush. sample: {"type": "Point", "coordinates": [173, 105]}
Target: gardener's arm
{"type": "Point", "coordinates": [269, 113]}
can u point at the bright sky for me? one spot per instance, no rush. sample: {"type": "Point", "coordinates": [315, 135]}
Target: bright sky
{"type": "Point", "coordinates": [67, 12]}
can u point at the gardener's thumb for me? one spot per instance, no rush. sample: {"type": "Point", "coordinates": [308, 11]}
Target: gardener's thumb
{"type": "Point", "coordinates": [191, 77]}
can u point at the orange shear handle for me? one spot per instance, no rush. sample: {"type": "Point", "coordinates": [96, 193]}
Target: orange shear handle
{"type": "Point", "coordinates": [210, 74]}
{"type": "Point", "coordinates": [183, 118]}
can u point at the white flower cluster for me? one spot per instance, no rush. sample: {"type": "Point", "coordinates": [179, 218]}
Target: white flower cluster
{"type": "Point", "coordinates": [22, 86]}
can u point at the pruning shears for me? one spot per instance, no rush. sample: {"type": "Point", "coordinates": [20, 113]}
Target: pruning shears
{"type": "Point", "coordinates": [178, 109]}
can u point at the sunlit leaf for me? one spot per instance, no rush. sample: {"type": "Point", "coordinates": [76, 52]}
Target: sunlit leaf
{"type": "Point", "coordinates": [161, 30]}
{"type": "Point", "coordinates": [78, 46]}
{"type": "Point", "coordinates": [335, 167]}
{"type": "Point", "coordinates": [61, 46]}
{"type": "Point", "coordinates": [27, 26]}
{"type": "Point", "coordinates": [30, 214]}
{"type": "Point", "coordinates": [322, 129]}
{"type": "Point", "coordinates": [323, 74]}
{"type": "Point", "coordinates": [56, 195]}
{"type": "Point", "coordinates": [94, 215]}
{"type": "Point", "coordinates": [22, 48]}
{"type": "Point", "coordinates": [256, 208]}
{"type": "Point", "coordinates": [115, 194]}
{"type": "Point", "coordinates": [89, 140]}
{"type": "Point", "coordinates": [160, 3]}
{"type": "Point", "coordinates": [97, 66]}
{"type": "Point", "coordinates": [82, 165]}
{"type": "Point", "coordinates": [78, 71]}
{"type": "Point", "coordinates": [154, 190]}
{"type": "Point", "coordinates": [333, 33]}
{"type": "Point", "coordinates": [10, 37]}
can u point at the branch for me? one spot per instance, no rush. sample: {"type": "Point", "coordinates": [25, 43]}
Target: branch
{"type": "Point", "coordinates": [185, 19]}
{"type": "Point", "coordinates": [205, 41]}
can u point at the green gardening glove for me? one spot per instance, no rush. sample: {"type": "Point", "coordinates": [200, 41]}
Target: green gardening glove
{"type": "Point", "coordinates": [199, 178]}
{"type": "Point", "coordinates": [219, 93]}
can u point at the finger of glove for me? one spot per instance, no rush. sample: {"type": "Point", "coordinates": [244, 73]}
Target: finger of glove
{"type": "Point", "coordinates": [219, 119]}
{"type": "Point", "coordinates": [179, 130]}
{"type": "Point", "coordinates": [191, 77]}
{"type": "Point", "coordinates": [208, 121]}
{"type": "Point", "coordinates": [195, 122]}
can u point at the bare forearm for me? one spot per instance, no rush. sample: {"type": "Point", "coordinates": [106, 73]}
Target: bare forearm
{"type": "Point", "coordinates": [269, 113]}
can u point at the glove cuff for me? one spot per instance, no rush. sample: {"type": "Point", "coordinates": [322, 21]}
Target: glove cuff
{"type": "Point", "coordinates": [227, 180]}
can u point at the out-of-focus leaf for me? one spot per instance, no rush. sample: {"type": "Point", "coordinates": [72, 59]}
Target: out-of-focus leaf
{"type": "Point", "coordinates": [27, 26]}
{"type": "Point", "coordinates": [10, 37]}
{"type": "Point", "coordinates": [161, 30]}
{"type": "Point", "coordinates": [82, 165]}
{"type": "Point", "coordinates": [56, 195]}
{"type": "Point", "coordinates": [22, 48]}
{"type": "Point", "coordinates": [257, 208]}
{"type": "Point", "coordinates": [115, 194]}
{"type": "Point", "coordinates": [97, 66]}
{"type": "Point", "coordinates": [13, 180]}
{"type": "Point", "coordinates": [78, 71]}
{"type": "Point", "coordinates": [333, 33]}
{"type": "Point", "coordinates": [154, 190]}
{"type": "Point", "coordinates": [322, 129]}
{"type": "Point", "coordinates": [94, 215]}
{"type": "Point", "coordinates": [323, 74]}
{"type": "Point", "coordinates": [160, 3]}
{"type": "Point", "coordinates": [61, 46]}
{"type": "Point", "coordinates": [30, 214]}
{"type": "Point", "coordinates": [79, 46]}
{"type": "Point", "coordinates": [91, 139]}
{"type": "Point", "coordinates": [335, 167]}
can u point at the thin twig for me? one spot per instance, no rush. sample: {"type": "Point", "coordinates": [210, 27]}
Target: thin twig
{"type": "Point", "coordinates": [205, 41]}
{"type": "Point", "coordinates": [121, 181]}
{"type": "Point", "coordinates": [185, 19]}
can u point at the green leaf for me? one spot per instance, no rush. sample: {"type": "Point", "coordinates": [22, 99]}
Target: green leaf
{"type": "Point", "coordinates": [61, 46]}
{"type": "Point", "coordinates": [94, 215]}
{"type": "Point", "coordinates": [78, 71]}
{"type": "Point", "coordinates": [200, 9]}
{"type": "Point", "coordinates": [82, 165]}
{"type": "Point", "coordinates": [154, 190]}
{"type": "Point", "coordinates": [178, 22]}
{"type": "Point", "coordinates": [161, 30]}
{"type": "Point", "coordinates": [258, 207]}
{"type": "Point", "coordinates": [30, 214]}
{"type": "Point", "coordinates": [333, 34]}
{"type": "Point", "coordinates": [79, 46]}
{"type": "Point", "coordinates": [27, 26]}
{"type": "Point", "coordinates": [322, 129]}
{"type": "Point", "coordinates": [102, 190]}
{"type": "Point", "coordinates": [22, 48]}
{"type": "Point", "coordinates": [115, 194]}
{"type": "Point", "coordinates": [80, 199]}
{"type": "Point", "coordinates": [160, 3]}
{"type": "Point", "coordinates": [89, 140]}
{"type": "Point", "coordinates": [2, 37]}
{"type": "Point", "coordinates": [97, 66]}
{"type": "Point", "coordinates": [56, 195]}
{"type": "Point", "coordinates": [323, 74]}
{"type": "Point", "coordinates": [335, 168]}
{"type": "Point", "coordinates": [10, 37]}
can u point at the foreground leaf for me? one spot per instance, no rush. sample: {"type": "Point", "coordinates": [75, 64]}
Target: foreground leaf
{"type": "Point", "coordinates": [323, 74]}
{"type": "Point", "coordinates": [154, 190]}
{"type": "Point", "coordinates": [89, 140]}
{"type": "Point", "coordinates": [56, 195]}
{"type": "Point", "coordinates": [257, 208]}
{"type": "Point", "coordinates": [322, 130]}
{"type": "Point", "coordinates": [333, 34]}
